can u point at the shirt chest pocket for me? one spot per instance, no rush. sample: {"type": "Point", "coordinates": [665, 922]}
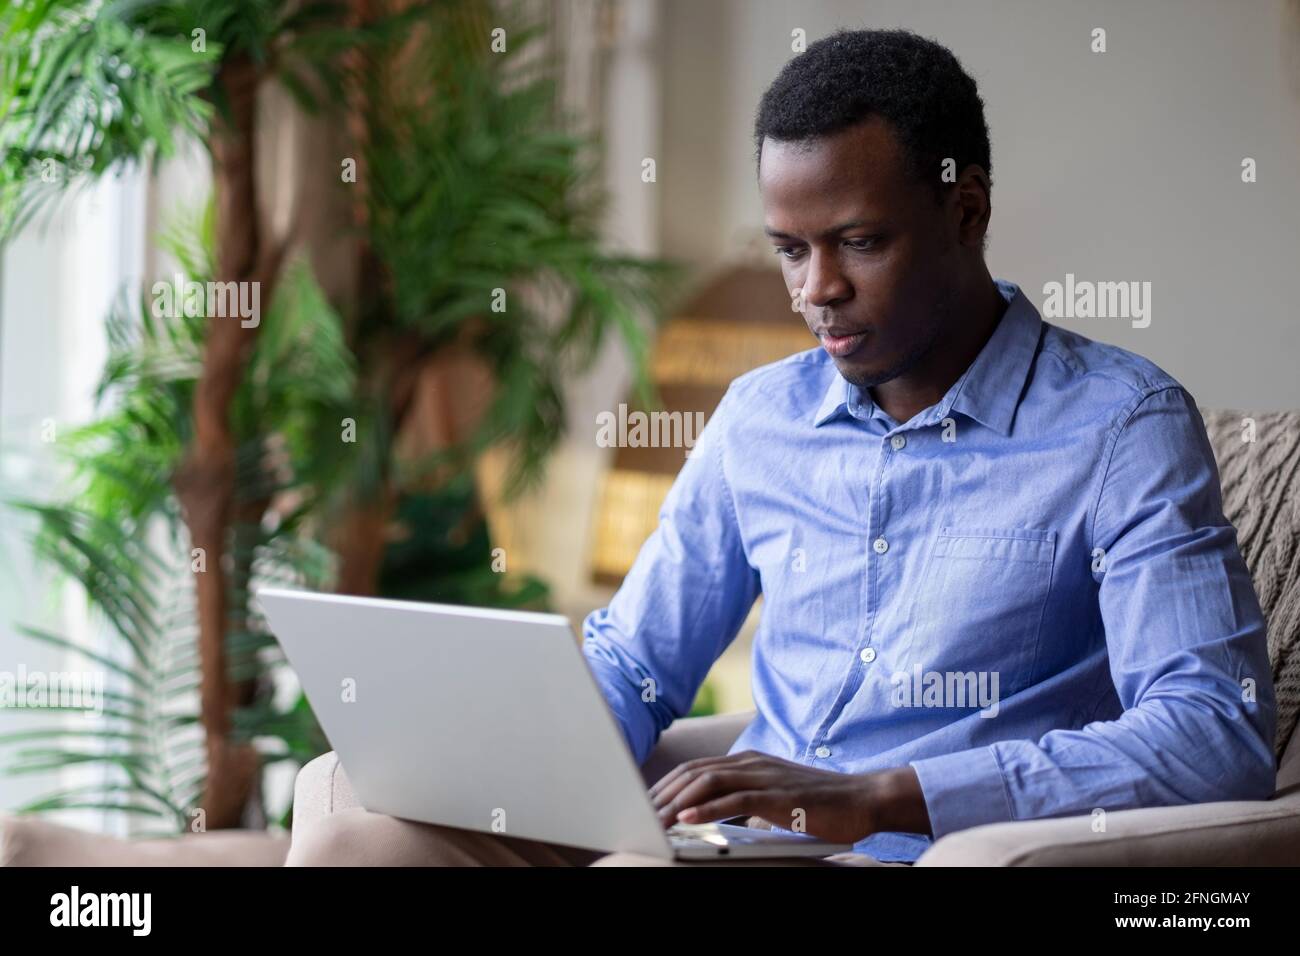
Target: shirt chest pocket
{"type": "Point", "coordinates": [979, 605]}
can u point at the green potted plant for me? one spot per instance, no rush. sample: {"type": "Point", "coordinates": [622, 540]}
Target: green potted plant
{"type": "Point", "coordinates": [231, 436]}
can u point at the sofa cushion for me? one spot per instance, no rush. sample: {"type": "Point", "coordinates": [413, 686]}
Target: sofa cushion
{"type": "Point", "coordinates": [1258, 454]}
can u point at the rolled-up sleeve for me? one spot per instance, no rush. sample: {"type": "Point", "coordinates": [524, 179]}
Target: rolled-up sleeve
{"type": "Point", "coordinates": [1187, 648]}
{"type": "Point", "coordinates": [681, 604]}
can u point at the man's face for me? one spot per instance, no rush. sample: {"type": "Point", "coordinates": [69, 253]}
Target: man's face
{"type": "Point", "coordinates": [872, 253]}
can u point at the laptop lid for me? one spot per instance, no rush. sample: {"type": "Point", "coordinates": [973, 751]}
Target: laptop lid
{"type": "Point", "coordinates": [467, 717]}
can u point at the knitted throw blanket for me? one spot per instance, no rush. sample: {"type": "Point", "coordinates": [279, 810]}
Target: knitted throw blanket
{"type": "Point", "coordinates": [1261, 497]}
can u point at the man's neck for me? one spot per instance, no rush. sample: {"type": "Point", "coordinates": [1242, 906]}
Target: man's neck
{"type": "Point", "coordinates": [927, 382]}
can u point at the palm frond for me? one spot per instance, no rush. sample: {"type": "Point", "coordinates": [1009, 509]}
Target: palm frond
{"type": "Point", "coordinates": [85, 90]}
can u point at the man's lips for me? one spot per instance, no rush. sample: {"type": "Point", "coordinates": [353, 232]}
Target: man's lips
{"type": "Point", "coordinates": [839, 346]}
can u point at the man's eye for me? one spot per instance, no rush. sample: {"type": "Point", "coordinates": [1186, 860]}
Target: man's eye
{"type": "Point", "coordinates": [790, 252]}
{"type": "Point", "coordinates": [860, 244]}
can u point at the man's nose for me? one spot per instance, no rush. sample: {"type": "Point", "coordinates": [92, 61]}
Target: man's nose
{"type": "Point", "coordinates": [824, 283]}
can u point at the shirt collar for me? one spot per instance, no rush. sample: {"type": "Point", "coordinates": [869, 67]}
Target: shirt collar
{"type": "Point", "coordinates": [988, 391]}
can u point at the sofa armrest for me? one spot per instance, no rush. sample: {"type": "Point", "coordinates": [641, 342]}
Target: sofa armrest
{"type": "Point", "coordinates": [1230, 833]}
{"type": "Point", "coordinates": [27, 840]}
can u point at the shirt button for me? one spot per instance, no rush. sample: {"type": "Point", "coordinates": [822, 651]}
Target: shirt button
{"type": "Point", "coordinates": [880, 545]}
{"type": "Point", "coordinates": [868, 654]}
{"type": "Point", "coordinates": [823, 751]}
{"type": "Point", "coordinates": [898, 441]}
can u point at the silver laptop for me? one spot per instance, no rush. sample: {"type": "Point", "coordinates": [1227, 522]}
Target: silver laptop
{"type": "Point", "coordinates": [485, 720]}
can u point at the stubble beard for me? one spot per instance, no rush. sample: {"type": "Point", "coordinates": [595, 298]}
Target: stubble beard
{"type": "Point", "coordinates": [940, 315]}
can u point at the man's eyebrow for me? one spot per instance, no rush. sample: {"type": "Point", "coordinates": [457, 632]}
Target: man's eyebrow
{"type": "Point", "coordinates": [851, 224]}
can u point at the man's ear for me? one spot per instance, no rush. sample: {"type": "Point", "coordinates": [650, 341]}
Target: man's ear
{"type": "Point", "coordinates": [972, 187]}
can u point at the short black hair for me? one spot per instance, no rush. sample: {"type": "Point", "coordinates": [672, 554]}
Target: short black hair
{"type": "Point", "coordinates": [914, 83]}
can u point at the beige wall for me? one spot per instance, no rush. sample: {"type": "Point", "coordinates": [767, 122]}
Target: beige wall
{"type": "Point", "coordinates": [1116, 166]}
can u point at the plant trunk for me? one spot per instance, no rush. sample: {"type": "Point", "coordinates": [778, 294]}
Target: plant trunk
{"type": "Point", "coordinates": [362, 530]}
{"type": "Point", "coordinates": [205, 481]}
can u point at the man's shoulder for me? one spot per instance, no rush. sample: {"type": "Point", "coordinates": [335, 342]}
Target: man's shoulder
{"type": "Point", "coordinates": [792, 387]}
{"type": "Point", "coordinates": [1104, 375]}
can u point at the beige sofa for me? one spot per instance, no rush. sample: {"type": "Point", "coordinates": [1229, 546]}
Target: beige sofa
{"type": "Point", "coordinates": [1261, 490]}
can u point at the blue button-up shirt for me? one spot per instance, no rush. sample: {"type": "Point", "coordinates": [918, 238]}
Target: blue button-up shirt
{"type": "Point", "coordinates": [1028, 592]}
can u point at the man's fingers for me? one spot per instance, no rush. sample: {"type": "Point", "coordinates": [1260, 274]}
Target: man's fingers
{"type": "Point", "coordinates": [704, 786]}
{"type": "Point", "coordinates": [667, 779]}
{"type": "Point", "coordinates": [740, 803]}
{"type": "Point", "coordinates": [701, 762]}
{"type": "Point", "coordinates": [687, 773]}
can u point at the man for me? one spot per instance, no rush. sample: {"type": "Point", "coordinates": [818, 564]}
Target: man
{"type": "Point", "coordinates": [998, 583]}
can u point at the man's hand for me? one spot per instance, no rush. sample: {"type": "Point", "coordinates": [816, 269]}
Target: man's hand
{"type": "Point", "coordinates": [841, 807]}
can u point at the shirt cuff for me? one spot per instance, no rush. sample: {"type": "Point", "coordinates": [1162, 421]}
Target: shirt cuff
{"type": "Point", "coordinates": [963, 789]}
